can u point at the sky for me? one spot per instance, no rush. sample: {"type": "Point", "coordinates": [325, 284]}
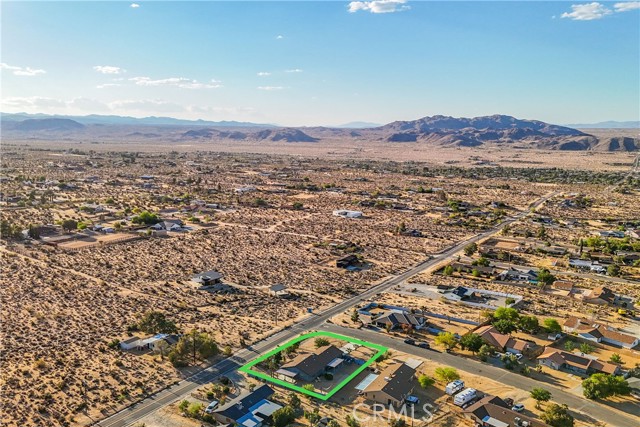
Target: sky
{"type": "Point", "coordinates": [304, 63]}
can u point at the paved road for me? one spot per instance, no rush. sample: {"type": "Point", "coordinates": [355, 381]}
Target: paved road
{"type": "Point", "coordinates": [185, 387]}
{"type": "Point", "coordinates": [600, 412]}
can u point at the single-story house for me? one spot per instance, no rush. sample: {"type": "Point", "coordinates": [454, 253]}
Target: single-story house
{"type": "Point", "coordinates": [599, 333]}
{"type": "Point", "coordinates": [347, 261]}
{"type": "Point", "coordinates": [492, 411]}
{"type": "Point", "coordinates": [503, 342]}
{"type": "Point", "coordinates": [207, 278]}
{"type": "Point", "coordinates": [278, 290]}
{"type": "Point", "coordinates": [600, 295]}
{"type": "Point", "coordinates": [468, 268]}
{"type": "Point", "coordinates": [392, 386]}
{"type": "Point", "coordinates": [396, 319]}
{"type": "Point", "coordinates": [517, 275]}
{"type": "Point", "coordinates": [168, 225]}
{"type": "Point", "coordinates": [130, 343]}
{"type": "Point", "coordinates": [308, 367]}
{"type": "Point", "coordinates": [557, 359]}
{"type": "Point", "coordinates": [246, 407]}
{"type": "Point", "coordinates": [612, 233]}
{"type": "Point", "coordinates": [344, 213]}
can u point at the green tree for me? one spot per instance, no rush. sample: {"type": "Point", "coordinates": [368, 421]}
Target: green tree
{"type": "Point", "coordinates": [355, 317]}
{"type": "Point", "coordinates": [69, 224]}
{"type": "Point", "coordinates": [475, 273]}
{"type": "Point", "coordinates": [313, 417]}
{"type": "Point", "coordinates": [425, 381]}
{"type": "Point", "coordinates": [471, 342]}
{"type": "Point", "coordinates": [145, 217]}
{"type": "Point", "coordinates": [529, 324]}
{"type": "Point", "coordinates": [298, 206]}
{"type": "Point", "coordinates": [613, 270]}
{"type": "Point", "coordinates": [540, 395]}
{"type": "Point", "coordinates": [156, 322]}
{"type": "Point", "coordinates": [485, 351]}
{"type": "Point", "coordinates": [352, 421]}
{"type": "Point", "coordinates": [309, 387]}
{"type": "Point", "coordinates": [569, 345]}
{"type": "Point", "coordinates": [552, 325]}
{"type": "Point", "coordinates": [586, 348]}
{"type": "Point", "coordinates": [333, 423]}
{"type": "Point", "coordinates": [470, 249]}
{"type": "Point", "coordinates": [446, 375]}
{"type": "Point", "coordinates": [193, 345]}
{"type": "Point", "coordinates": [448, 270]}
{"type": "Point", "coordinates": [283, 416]}
{"type": "Point", "coordinates": [294, 401]}
{"type": "Point", "coordinates": [557, 416]}
{"type": "Point", "coordinates": [397, 422]}
{"type": "Point", "coordinates": [321, 342]}
{"type": "Point", "coordinates": [510, 361]}
{"type": "Point", "coordinates": [183, 405]}
{"type": "Point", "coordinates": [601, 386]}
{"type": "Point", "coordinates": [504, 326]}
{"type": "Point", "coordinates": [615, 358]}
{"type": "Point", "coordinates": [195, 410]}
{"type": "Point", "coordinates": [545, 278]}
{"type": "Point", "coordinates": [506, 313]}
{"type": "Point", "coordinates": [446, 339]}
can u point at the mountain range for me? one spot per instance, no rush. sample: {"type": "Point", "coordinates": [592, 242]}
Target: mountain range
{"type": "Point", "coordinates": [443, 131]}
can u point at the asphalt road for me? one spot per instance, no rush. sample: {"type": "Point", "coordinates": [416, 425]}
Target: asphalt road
{"type": "Point", "coordinates": [599, 412]}
{"type": "Point", "coordinates": [182, 389]}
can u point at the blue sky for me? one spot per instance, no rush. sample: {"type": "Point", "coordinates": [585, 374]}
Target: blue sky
{"type": "Point", "coordinates": [323, 63]}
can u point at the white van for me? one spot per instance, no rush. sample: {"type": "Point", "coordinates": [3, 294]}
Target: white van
{"type": "Point", "coordinates": [453, 387]}
{"type": "Point", "coordinates": [465, 396]}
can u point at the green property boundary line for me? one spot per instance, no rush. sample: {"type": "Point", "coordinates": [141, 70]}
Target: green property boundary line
{"type": "Point", "coordinates": [247, 368]}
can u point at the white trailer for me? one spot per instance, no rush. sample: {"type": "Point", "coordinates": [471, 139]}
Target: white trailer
{"type": "Point", "coordinates": [465, 396]}
{"type": "Point", "coordinates": [453, 387]}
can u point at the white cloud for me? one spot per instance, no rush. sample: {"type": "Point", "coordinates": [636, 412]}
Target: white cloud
{"type": "Point", "coordinates": [626, 6]}
{"type": "Point", "coordinates": [21, 71]}
{"type": "Point", "coordinates": [294, 70]}
{"type": "Point", "coordinates": [109, 69]}
{"type": "Point", "coordinates": [106, 85]}
{"type": "Point", "coordinates": [279, 37]}
{"type": "Point", "coordinates": [379, 6]}
{"type": "Point", "coordinates": [32, 103]}
{"type": "Point", "coordinates": [263, 74]}
{"type": "Point", "coordinates": [180, 82]}
{"type": "Point", "coordinates": [594, 10]}
{"type": "Point", "coordinates": [587, 12]}
{"type": "Point", "coordinates": [270, 87]}
{"type": "Point", "coordinates": [134, 5]}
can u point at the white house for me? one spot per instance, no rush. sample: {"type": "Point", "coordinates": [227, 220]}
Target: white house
{"type": "Point", "coordinates": [130, 343]}
{"type": "Point", "coordinates": [347, 213]}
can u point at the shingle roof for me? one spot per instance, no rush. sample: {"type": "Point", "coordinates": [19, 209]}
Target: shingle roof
{"type": "Point", "coordinates": [399, 381]}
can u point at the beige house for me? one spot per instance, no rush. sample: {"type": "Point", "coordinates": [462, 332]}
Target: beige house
{"type": "Point", "coordinates": [392, 386]}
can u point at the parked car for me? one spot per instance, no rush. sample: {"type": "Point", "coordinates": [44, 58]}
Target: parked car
{"type": "Point", "coordinates": [211, 407]}
{"type": "Point", "coordinates": [410, 341]}
{"type": "Point", "coordinates": [423, 345]}
{"type": "Point", "coordinates": [518, 407]}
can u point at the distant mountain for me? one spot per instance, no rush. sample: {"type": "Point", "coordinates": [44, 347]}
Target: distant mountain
{"type": "Point", "coordinates": [472, 132]}
{"type": "Point", "coordinates": [439, 131]}
{"type": "Point", "coordinates": [358, 125]}
{"type": "Point", "coordinates": [607, 125]}
{"type": "Point", "coordinates": [31, 125]}
{"type": "Point", "coordinates": [125, 120]}
{"type": "Point", "coordinates": [280, 134]}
